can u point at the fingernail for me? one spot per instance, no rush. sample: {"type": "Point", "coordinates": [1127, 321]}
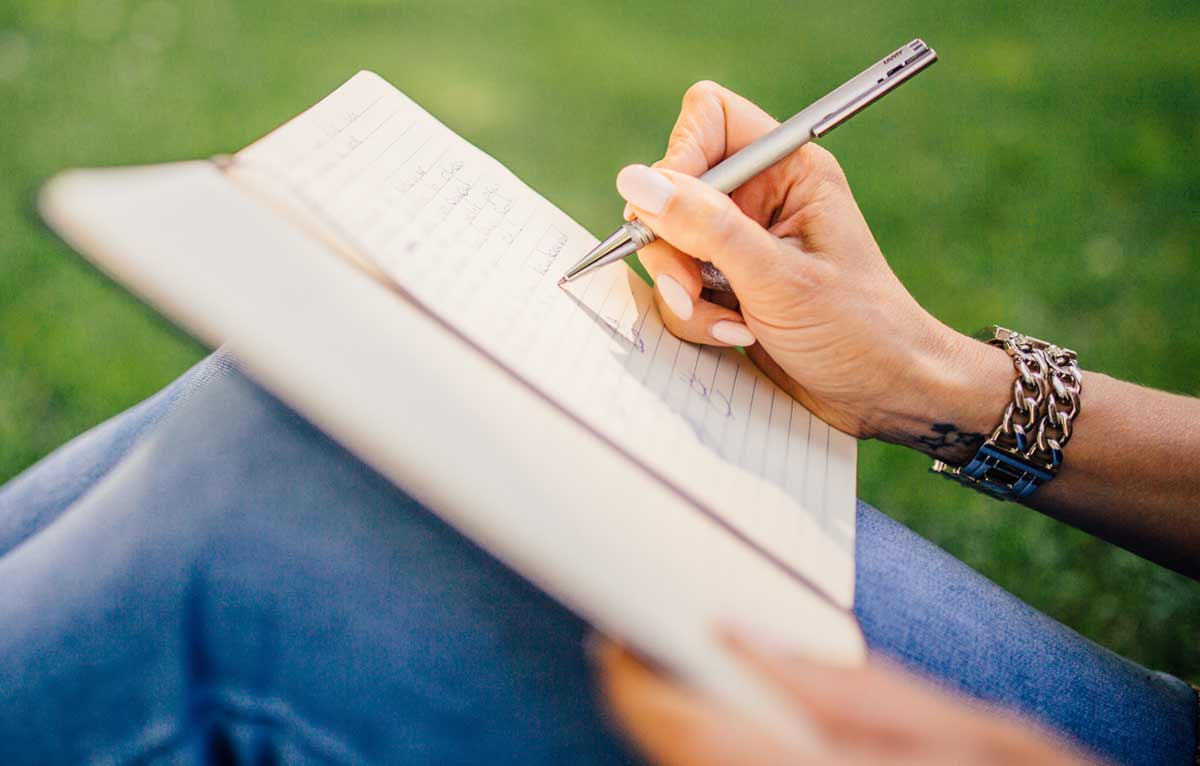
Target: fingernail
{"type": "Point", "coordinates": [644, 188]}
{"type": "Point", "coordinates": [733, 333]}
{"type": "Point", "coordinates": [674, 296]}
{"type": "Point", "coordinates": [627, 214]}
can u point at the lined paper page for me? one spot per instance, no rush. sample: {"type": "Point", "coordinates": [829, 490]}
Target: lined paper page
{"type": "Point", "coordinates": [464, 237]}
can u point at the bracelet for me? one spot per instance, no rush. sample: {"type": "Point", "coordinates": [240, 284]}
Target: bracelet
{"type": "Point", "coordinates": [1026, 449]}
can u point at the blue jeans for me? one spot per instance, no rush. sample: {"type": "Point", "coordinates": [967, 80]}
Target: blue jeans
{"type": "Point", "coordinates": [209, 578]}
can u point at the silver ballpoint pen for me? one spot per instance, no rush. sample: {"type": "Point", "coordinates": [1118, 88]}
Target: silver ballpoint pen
{"type": "Point", "coordinates": [811, 123]}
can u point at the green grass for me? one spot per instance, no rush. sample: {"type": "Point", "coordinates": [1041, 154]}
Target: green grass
{"type": "Point", "coordinates": [1043, 176]}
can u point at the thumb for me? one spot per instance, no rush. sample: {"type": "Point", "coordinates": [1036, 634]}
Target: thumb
{"type": "Point", "coordinates": [702, 222]}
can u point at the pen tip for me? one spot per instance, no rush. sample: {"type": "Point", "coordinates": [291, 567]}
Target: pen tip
{"type": "Point", "coordinates": [562, 281]}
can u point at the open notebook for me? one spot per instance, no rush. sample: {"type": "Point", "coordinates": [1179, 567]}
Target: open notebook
{"type": "Point", "coordinates": [398, 286]}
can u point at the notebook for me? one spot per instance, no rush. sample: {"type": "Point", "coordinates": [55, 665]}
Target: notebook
{"type": "Point", "coordinates": [398, 287]}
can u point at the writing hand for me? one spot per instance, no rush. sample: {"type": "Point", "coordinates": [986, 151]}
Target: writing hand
{"type": "Point", "coordinates": [820, 310]}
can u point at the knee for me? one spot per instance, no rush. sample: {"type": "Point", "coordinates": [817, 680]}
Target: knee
{"type": "Point", "coordinates": [250, 508]}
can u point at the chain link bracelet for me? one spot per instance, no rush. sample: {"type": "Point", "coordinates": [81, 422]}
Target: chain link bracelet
{"type": "Point", "coordinates": [1026, 449]}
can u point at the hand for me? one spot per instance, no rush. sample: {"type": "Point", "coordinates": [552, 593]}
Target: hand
{"type": "Point", "coordinates": [874, 714]}
{"type": "Point", "coordinates": [834, 326]}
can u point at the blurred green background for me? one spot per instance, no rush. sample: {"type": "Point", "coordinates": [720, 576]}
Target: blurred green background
{"type": "Point", "coordinates": [1044, 176]}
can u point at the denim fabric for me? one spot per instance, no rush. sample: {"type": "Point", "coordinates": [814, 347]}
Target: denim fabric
{"type": "Point", "coordinates": [207, 578]}
{"type": "Point", "coordinates": [934, 614]}
{"type": "Point", "coordinates": [37, 496]}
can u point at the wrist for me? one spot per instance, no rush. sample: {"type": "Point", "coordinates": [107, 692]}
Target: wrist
{"type": "Point", "coordinates": [950, 397]}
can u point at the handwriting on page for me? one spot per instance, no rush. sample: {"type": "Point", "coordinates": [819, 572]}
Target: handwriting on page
{"type": "Point", "coordinates": [482, 251]}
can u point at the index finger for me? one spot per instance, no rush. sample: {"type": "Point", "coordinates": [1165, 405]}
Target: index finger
{"type": "Point", "coordinates": [713, 123]}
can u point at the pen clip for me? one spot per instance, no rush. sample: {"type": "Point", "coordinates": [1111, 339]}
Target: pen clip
{"type": "Point", "coordinates": [881, 79]}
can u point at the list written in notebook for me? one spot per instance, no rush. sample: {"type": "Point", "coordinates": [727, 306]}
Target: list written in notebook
{"type": "Point", "coordinates": [464, 237]}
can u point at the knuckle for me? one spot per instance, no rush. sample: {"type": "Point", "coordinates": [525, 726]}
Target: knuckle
{"type": "Point", "coordinates": [699, 91]}
{"type": "Point", "coordinates": [825, 168]}
{"type": "Point", "coordinates": [680, 145]}
{"type": "Point", "coordinates": [820, 155]}
{"type": "Point", "coordinates": [810, 274]}
{"type": "Point", "coordinates": [826, 190]}
{"type": "Point", "coordinates": [723, 221]}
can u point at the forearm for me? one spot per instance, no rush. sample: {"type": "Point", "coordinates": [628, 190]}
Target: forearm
{"type": "Point", "coordinates": [1130, 470]}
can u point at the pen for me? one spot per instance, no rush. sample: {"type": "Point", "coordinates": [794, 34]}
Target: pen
{"type": "Point", "coordinates": [813, 122]}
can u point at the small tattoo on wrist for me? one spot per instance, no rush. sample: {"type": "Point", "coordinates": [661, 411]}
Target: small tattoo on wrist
{"type": "Point", "coordinates": [948, 440]}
